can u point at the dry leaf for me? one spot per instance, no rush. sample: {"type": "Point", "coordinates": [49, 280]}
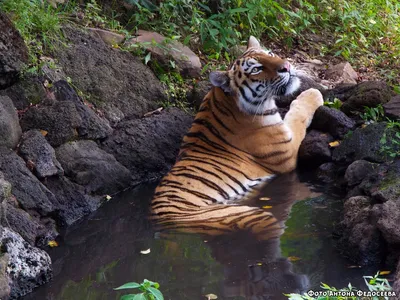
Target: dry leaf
{"type": "Point", "coordinates": [364, 125]}
{"type": "Point", "coordinates": [259, 264]}
{"type": "Point", "coordinates": [108, 197]}
{"type": "Point", "coordinates": [293, 258]}
{"type": "Point", "coordinates": [52, 244]}
{"type": "Point", "coordinates": [43, 132]}
{"type": "Point", "coordinates": [353, 267]}
{"type": "Point", "coordinates": [211, 296]}
{"type": "Point", "coordinates": [384, 272]}
{"type": "Point", "coordinates": [145, 251]}
{"type": "Point", "coordinates": [265, 198]}
{"type": "Point", "coordinates": [334, 144]}
{"type": "Point", "coordinates": [267, 206]}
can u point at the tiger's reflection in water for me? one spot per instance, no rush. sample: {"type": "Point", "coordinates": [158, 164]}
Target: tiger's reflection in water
{"type": "Point", "coordinates": [253, 266]}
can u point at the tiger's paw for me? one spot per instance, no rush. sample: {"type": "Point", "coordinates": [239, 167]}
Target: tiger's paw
{"type": "Point", "coordinates": [311, 98]}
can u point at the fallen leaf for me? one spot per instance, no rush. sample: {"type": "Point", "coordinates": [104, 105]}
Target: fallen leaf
{"type": "Point", "coordinates": [211, 296]}
{"type": "Point", "coordinates": [384, 272]}
{"type": "Point", "coordinates": [150, 113]}
{"type": "Point", "coordinates": [52, 244]}
{"type": "Point", "coordinates": [108, 197]}
{"type": "Point", "coordinates": [334, 144]}
{"type": "Point", "coordinates": [364, 125]}
{"type": "Point", "coordinates": [353, 267]}
{"type": "Point", "coordinates": [259, 264]}
{"type": "Point", "coordinates": [43, 132]}
{"type": "Point", "coordinates": [265, 198]}
{"type": "Point", "coordinates": [145, 251]}
{"type": "Point", "coordinates": [293, 258]}
{"type": "Point", "coordinates": [267, 206]}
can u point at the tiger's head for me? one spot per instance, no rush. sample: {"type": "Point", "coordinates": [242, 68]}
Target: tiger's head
{"type": "Point", "coordinates": [256, 78]}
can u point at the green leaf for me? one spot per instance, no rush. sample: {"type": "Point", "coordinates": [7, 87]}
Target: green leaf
{"type": "Point", "coordinates": [139, 297]}
{"type": "Point", "coordinates": [147, 58]}
{"type": "Point", "coordinates": [156, 293]}
{"type": "Point", "coordinates": [128, 297]}
{"type": "Point", "coordinates": [129, 285]}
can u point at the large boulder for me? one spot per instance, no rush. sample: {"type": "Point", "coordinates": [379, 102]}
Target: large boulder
{"type": "Point", "coordinates": [118, 83]}
{"type": "Point", "coordinates": [314, 149]}
{"type": "Point", "coordinates": [357, 171]}
{"type": "Point", "coordinates": [163, 50]}
{"type": "Point", "coordinates": [342, 73]}
{"type": "Point", "coordinates": [392, 108]}
{"type": "Point", "coordinates": [38, 153]}
{"type": "Point", "coordinates": [333, 121]}
{"type": "Point", "coordinates": [99, 172]}
{"type": "Point", "coordinates": [28, 267]}
{"type": "Point", "coordinates": [10, 130]}
{"type": "Point", "coordinates": [13, 52]}
{"type": "Point", "coordinates": [366, 144]}
{"type": "Point", "coordinates": [149, 146]}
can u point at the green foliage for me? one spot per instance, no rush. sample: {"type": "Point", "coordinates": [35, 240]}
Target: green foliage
{"type": "Point", "coordinates": [149, 291]}
{"type": "Point", "coordinates": [336, 103]}
{"type": "Point", "coordinates": [374, 284]}
{"type": "Point", "coordinates": [373, 114]}
{"type": "Point", "coordinates": [392, 133]}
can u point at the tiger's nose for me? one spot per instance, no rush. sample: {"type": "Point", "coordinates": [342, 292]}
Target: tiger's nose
{"type": "Point", "coordinates": [285, 67]}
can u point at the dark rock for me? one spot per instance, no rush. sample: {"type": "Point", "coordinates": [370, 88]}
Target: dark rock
{"type": "Point", "coordinates": [60, 119]}
{"type": "Point", "coordinates": [29, 90]}
{"type": "Point", "coordinates": [30, 193]}
{"type": "Point", "coordinates": [36, 151]}
{"type": "Point", "coordinates": [327, 172]}
{"type": "Point", "coordinates": [10, 130]}
{"type": "Point", "coordinates": [389, 220]}
{"type": "Point", "coordinates": [392, 108]}
{"type": "Point", "coordinates": [365, 143]}
{"type": "Point", "coordinates": [93, 168]}
{"type": "Point", "coordinates": [5, 188]}
{"type": "Point", "coordinates": [333, 121]}
{"type": "Point", "coordinates": [149, 146]}
{"type": "Point", "coordinates": [315, 150]}
{"type": "Point", "coordinates": [117, 82]}
{"type": "Point", "coordinates": [360, 238]}
{"type": "Point", "coordinates": [13, 52]}
{"type": "Point", "coordinates": [306, 83]}
{"type": "Point", "coordinates": [72, 203]}
{"type": "Point", "coordinates": [196, 95]}
{"type": "Point", "coordinates": [357, 171]}
{"type": "Point", "coordinates": [187, 62]}
{"type": "Point", "coordinates": [396, 285]}
{"type": "Point", "coordinates": [28, 267]}
{"type": "Point", "coordinates": [4, 285]}
{"type": "Point", "coordinates": [92, 126]}
{"type": "Point", "coordinates": [367, 93]}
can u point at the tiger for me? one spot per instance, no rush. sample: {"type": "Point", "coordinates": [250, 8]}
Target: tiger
{"type": "Point", "coordinates": [238, 142]}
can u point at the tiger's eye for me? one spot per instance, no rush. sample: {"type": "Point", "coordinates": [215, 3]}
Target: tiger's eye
{"type": "Point", "coordinates": [255, 70]}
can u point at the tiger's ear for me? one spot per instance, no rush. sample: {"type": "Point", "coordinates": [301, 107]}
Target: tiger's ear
{"type": "Point", "coordinates": [253, 43]}
{"type": "Point", "coordinates": [221, 79]}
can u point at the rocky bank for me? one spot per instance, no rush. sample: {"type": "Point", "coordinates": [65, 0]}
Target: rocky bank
{"type": "Point", "coordinates": [84, 130]}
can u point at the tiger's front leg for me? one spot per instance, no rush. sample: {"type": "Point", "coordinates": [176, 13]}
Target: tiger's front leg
{"type": "Point", "coordinates": [300, 114]}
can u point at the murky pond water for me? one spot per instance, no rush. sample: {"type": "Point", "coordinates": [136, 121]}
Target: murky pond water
{"type": "Point", "coordinates": [104, 251]}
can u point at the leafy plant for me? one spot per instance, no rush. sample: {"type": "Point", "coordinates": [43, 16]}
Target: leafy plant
{"type": "Point", "coordinates": [336, 103]}
{"type": "Point", "coordinates": [392, 133]}
{"type": "Point", "coordinates": [149, 291]}
{"type": "Point", "coordinates": [373, 114]}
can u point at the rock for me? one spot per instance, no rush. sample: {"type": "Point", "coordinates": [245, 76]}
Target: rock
{"type": "Point", "coordinates": [367, 93]}
{"type": "Point", "coordinates": [114, 79]}
{"type": "Point", "coordinates": [357, 171]}
{"type": "Point", "coordinates": [28, 267]}
{"type": "Point", "coordinates": [342, 73]}
{"type": "Point", "coordinates": [13, 52]}
{"type": "Point", "coordinates": [10, 130]}
{"type": "Point", "coordinates": [37, 152]}
{"type": "Point", "coordinates": [99, 172]}
{"type": "Point", "coordinates": [197, 94]}
{"type": "Point", "coordinates": [72, 202]}
{"type": "Point", "coordinates": [108, 37]}
{"type": "Point", "coordinates": [5, 188]}
{"type": "Point", "coordinates": [360, 240]}
{"type": "Point", "coordinates": [60, 119]}
{"type": "Point", "coordinates": [327, 172]}
{"type": "Point", "coordinates": [187, 61]}
{"type": "Point", "coordinates": [333, 121]}
{"type": "Point", "coordinates": [4, 285]}
{"type": "Point", "coordinates": [365, 143]}
{"type": "Point", "coordinates": [29, 90]}
{"type": "Point", "coordinates": [315, 150]}
{"type": "Point", "coordinates": [30, 193]}
{"type": "Point", "coordinates": [392, 108]}
{"type": "Point", "coordinates": [149, 146]}
{"type": "Point", "coordinates": [396, 285]}
{"type": "Point", "coordinates": [92, 126]}
{"type": "Point", "coordinates": [389, 220]}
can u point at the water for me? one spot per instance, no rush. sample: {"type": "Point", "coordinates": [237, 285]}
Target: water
{"type": "Point", "coordinates": [104, 251]}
